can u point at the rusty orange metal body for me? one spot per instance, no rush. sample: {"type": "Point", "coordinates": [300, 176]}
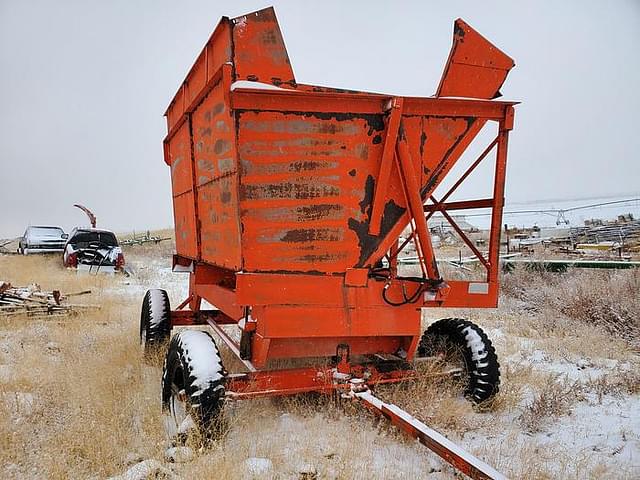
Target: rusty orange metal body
{"type": "Point", "coordinates": [287, 197]}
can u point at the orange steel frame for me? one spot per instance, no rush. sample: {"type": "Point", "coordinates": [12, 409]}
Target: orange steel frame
{"type": "Point", "coordinates": [342, 315]}
{"type": "Point", "coordinates": [294, 315]}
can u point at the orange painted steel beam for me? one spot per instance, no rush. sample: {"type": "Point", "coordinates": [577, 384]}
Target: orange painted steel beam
{"type": "Point", "coordinates": [438, 173]}
{"type": "Point", "coordinates": [324, 102]}
{"type": "Point", "coordinates": [386, 164]}
{"type": "Point", "coordinates": [462, 178]}
{"type": "Point", "coordinates": [460, 205]}
{"type": "Point", "coordinates": [416, 207]}
{"type": "Point", "coordinates": [292, 381]}
{"type": "Point", "coordinates": [462, 460]}
{"type": "Point", "coordinates": [464, 237]}
{"type": "Point", "coordinates": [498, 195]}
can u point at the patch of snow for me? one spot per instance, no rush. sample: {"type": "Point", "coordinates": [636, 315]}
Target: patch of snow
{"type": "Point", "coordinates": [21, 403]}
{"type": "Point", "coordinates": [255, 85]}
{"type": "Point", "coordinates": [205, 365]}
{"type": "Point", "coordinates": [6, 374]}
{"type": "Point", "coordinates": [132, 458]}
{"type": "Point", "coordinates": [186, 425]}
{"type": "Point", "coordinates": [476, 345]}
{"type": "Point", "coordinates": [157, 309]}
{"type": "Point", "coordinates": [179, 455]}
{"type": "Point", "coordinates": [258, 467]}
{"type": "Point", "coordinates": [306, 469]}
{"type": "Point", "coordinates": [146, 470]}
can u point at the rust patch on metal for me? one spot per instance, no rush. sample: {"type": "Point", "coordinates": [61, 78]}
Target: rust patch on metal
{"type": "Point", "coordinates": [305, 235]}
{"type": "Point", "coordinates": [301, 214]}
{"type": "Point", "coordinates": [367, 243]}
{"type": "Point", "coordinates": [221, 146]}
{"type": "Point", "coordinates": [300, 166]}
{"type": "Point", "coordinates": [300, 191]}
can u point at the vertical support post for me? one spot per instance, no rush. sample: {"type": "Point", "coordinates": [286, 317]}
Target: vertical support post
{"type": "Point", "coordinates": [393, 259]}
{"type": "Point", "coordinates": [416, 207]}
{"type": "Point", "coordinates": [382, 183]}
{"type": "Point", "coordinates": [194, 299]}
{"type": "Point", "coordinates": [194, 187]}
{"type": "Point", "coordinates": [498, 199]}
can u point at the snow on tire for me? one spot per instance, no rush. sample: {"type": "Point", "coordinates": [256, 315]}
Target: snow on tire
{"type": "Point", "coordinates": [480, 357]}
{"type": "Point", "coordinates": [155, 320]}
{"type": "Point", "coordinates": [193, 381]}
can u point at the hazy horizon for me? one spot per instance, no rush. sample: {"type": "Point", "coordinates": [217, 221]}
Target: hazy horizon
{"type": "Point", "coordinates": [85, 85]}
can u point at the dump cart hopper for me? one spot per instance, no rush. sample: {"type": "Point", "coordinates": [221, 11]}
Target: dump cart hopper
{"type": "Point", "coordinates": [290, 201]}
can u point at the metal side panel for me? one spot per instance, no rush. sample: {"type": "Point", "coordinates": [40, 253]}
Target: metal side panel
{"type": "Point", "coordinates": [216, 179]}
{"type": "Point", "coordinates": [305, 188]}
{"type": "Point", "coordinates": [185, 225]}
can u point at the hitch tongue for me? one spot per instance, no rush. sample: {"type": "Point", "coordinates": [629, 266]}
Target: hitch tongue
{"type": "Point", "coordinates": [460, 459]}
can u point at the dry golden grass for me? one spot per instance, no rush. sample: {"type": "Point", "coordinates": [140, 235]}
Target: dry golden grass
{"type": "Point", "coordinates": [606, 299]}
{"type": "Point", "coordinates": [93, 400]}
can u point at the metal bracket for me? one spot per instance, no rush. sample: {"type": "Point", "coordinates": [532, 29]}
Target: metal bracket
{"type": "Point", "coordinates": [382, 184]}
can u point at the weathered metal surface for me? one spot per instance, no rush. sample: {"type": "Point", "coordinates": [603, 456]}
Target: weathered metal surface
{"type": "Point", "coordinates": [259, 53]}
{"type": "Point", "coordinates": [179, 155]}
{"type": "Point", "coordinates": [252, 44]}
{"type": "Point", "coordinates": [303, 178]}
{"type": "Point", "coordinates": [475, 68]}
{"type": "Point", "coordinates": [285, 185]}
{"type": "Point", "coordinates": [216, 172]}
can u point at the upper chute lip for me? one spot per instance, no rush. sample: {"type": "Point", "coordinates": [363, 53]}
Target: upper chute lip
{"type": "Point", "coordinates": [475, 68]}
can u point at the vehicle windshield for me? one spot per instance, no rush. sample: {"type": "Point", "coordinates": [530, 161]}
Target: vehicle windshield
{"type": "Point", "coordinates": [46, 232]}
{"type": "Point", "coordinates": [84, 239]}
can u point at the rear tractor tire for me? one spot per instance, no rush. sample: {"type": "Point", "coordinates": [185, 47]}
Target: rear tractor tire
{"type": "Point", "coordinates": [155, 322]}
{"type": "Point", "coordinates": [480, 360]}
{"type": "Point", "coordinates": [193, 386]}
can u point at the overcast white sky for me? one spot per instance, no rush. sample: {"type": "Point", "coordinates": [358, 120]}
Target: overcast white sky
{"type": "Point", "coordinates": [84, 84]}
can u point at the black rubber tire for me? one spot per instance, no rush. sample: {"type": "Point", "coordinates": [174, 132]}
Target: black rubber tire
{"type": "Point", "coordinates": [203, 383]}
{"type": "Point", "coordinates": [480, 357]}
{"type": "Point", "coordinates": [155, 321]}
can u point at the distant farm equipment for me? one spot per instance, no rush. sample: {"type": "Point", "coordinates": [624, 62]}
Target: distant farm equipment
{"type": "Point", "coordinates": [142, 239]}
{"type": "Point", "coordinates": [289, 204]}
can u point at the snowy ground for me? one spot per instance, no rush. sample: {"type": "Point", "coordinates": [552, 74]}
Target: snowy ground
{"type": "Point", "coordinates": [568, 406]}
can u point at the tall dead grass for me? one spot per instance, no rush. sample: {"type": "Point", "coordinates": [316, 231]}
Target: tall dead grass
{"type": "Point", "coordinates": [90, 403]}
{"type": "Point", "coordinates": [605, 299]}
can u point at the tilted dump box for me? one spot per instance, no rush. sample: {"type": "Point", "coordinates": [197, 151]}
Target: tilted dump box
{"type": "Point", "coordinates": [283, 180]}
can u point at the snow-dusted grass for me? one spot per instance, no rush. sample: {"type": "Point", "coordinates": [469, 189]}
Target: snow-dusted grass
{"type": "Point", "coordinates": [79, 402]}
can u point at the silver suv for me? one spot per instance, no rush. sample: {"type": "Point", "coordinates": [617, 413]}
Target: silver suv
{"type": "Point", "coordinates": [39, 239]}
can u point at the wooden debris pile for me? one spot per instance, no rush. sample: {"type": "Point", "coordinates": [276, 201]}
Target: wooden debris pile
{"type": "Point", "coordinates": [31, 301]}
{"type": "Point", "coordinates": [8, 246]}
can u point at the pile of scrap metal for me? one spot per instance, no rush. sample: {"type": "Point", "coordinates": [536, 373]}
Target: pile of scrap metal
{"type": "Point", "coordinates": [31, 301]}
{"type": "Point", "coordinates": [6, 246]}
{"type": "Point", "coordinates": [623, 234]}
